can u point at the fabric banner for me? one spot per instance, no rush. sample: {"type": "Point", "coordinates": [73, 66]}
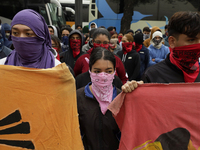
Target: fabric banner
{"type": "Point", "coordinates": [38, 109]}
{"type": "Point", "coordinates": [159, 117]}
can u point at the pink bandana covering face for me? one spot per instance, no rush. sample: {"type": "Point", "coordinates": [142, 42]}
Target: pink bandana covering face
{"type": "Point", "coordinates": [102, 88]}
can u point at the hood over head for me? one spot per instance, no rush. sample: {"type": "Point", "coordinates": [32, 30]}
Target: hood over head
{"type": "Point", "coordinates": [54, 29]}
{"type": "Point", "coordinates": [76, 32]}
{"type": "Point", "coordinates": [154, 29]}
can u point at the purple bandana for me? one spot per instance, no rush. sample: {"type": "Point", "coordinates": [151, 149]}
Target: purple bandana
{"type": "Point", "coordinates": [31, 52]}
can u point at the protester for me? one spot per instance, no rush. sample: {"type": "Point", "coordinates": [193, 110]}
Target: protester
{"type": "Point", "coordinates": [32, 42]}
{"type": "Point", "coordinates": [75, 45]}
{"type": "Point", "coordinates": [181, 65]}
{"type": "Point", "coordinates": [146, 33]}
{"type": "Point", "coordinates": [86, 76]}
{"type": "Point", "coordinates": [111, 28]}
{"type": "Point", "coordinates": [166, 30]}
{"type": "Point", "coordinates": [79, 27]}
{"type": "Point", "coordinates": [101, 38]}
{"type": "Point", "coordinates": [7, 29]}
{"type": "Point", "coordinates": [4, 51]}
{"type": "Point", "coordinates": [114, 47]}
{"type": "Point", "coordinates": [86, 38]}
{"type": "Point", "coordinates": [131, 32]}
{"type": "Point", "coordinates": [138, 31]}
{"type": "Point", "coordinates": [5, 32]}
{"type": "Point", "coordinates": [130, 57]}
{"type": "Point", "coordinates": [166, 36]}
{"type": "Point", "coordinates": [143, 52]}
{"type": "Point", "coordinates": [147, 41]}
{"type": "Point", "coordinates": [89, 45]}
{"type": "Point", "coordinates": [120, 35]}
{"type": "Point", "coordinates": [55, 41]}
{"type": "Point", "coordinates": [53, 30]}
{"type": "Point", "coordinates": [65, 31]}
{"type": "Point", "coordinates": [157, 51]}
{"type": "Point", "coordinates": [93, 25]}
{"type": "Point", "coordinates": [97, 124]}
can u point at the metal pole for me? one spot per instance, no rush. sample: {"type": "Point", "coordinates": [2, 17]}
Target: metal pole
{"type": "Point", "coordinates": [78, 12]}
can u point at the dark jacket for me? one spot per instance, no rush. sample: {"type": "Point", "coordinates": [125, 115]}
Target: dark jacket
{"type": "Point", "coordinates": [164, 72]}
{"type": "Point", "coordinates": [131, 63]}
{"type": "Point", "coordinates": [144, 61]}
{"type": "Point", "coordinates": [86, 76]}
{"type": "Point", "coordinates": [99, 132]}
{"type": "Point", "coordinates": [4, 52]}
{"type": "Point", "coordinates": [67, 56]}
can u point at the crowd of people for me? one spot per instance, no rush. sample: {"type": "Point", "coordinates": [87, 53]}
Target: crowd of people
{"type": "Point", "coordinates": [109, 62]}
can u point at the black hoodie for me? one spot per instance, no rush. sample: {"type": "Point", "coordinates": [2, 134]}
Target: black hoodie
{"type": "Point", "coordinates": [67, 56]}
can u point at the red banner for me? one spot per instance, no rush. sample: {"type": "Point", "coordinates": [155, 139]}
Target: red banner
{"type": "Point", "coordinates": [159, 114]}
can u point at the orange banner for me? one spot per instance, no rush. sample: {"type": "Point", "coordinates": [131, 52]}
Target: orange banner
{"type": "Point", "coordinates": [38, 109]}
{"type": "Point", "coordinates": [159, 116]}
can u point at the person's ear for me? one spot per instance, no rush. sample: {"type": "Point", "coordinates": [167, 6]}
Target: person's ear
{"type": "Point", "coordinates": [172, 41]}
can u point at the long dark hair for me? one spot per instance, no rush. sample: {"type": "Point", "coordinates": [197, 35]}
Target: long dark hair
{"type": "Point", "coordinates": [101, 53]}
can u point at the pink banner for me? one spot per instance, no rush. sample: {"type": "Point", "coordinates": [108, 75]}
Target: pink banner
{"type": "Point", "coordinates": [154, 113]}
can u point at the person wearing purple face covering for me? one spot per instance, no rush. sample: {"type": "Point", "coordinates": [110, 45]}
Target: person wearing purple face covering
{"type": "Point", "coordinates": [32, 42]}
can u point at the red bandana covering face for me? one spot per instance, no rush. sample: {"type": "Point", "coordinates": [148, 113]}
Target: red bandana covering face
{"type": "Point", "coordinates": [112, 46]}
{"type": "Point", "coordinates": [127, 47]}
{"type": "Point", "coordinates": [138, 47]}
{"type": "Point", "coordinates": [75, 46]}
{"type": "Point", "coordinates": [106, 46]}
{"type": "Point", "coordinates": [120, 38]}
{"type": "Point", "coordinates": [186, 59]}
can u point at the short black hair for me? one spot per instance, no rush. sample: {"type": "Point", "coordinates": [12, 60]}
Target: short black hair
{"type": "Point", "coordinates": [100, 31]}
{"type": "Point", "coordinates": [101, 53]}
{"type": "Point", "coordinates": [184, 22]}
{"type": "Point", "coordinates": [110, 28]}
{"type": "Point", "coordinates": [146, 29]}
{"type": "Point", "coordinates": [66, 28]}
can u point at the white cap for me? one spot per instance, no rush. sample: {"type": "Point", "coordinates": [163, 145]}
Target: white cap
{"type": "Point", "coordinates": [157, 33]}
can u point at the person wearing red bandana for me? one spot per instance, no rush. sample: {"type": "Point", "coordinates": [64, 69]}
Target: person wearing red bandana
{"type": "Point", "coordinates": [130, 57]}
{"type": "Point", "coordinates": [75, 46]}
{"type": "Point", "coordinates": [143, 52]}
{"type": "Point", "coordinates": [114, 46]}
{"type": "Point", "coordinates": [182, 64]}
{"type": "Point", "coordinates": [101, 38]}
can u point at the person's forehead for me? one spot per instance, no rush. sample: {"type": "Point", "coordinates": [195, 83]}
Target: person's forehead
{"type": "Point", "coordinates": [157, 36]}
{"type": "Point", "coordinates": [21, 27]}
{"type": "Point", "coordinates": [75, 35]}
{"type": "Point", "coordinates": [114, 34]}
{"type": "Point", "coordinates": [65, 31]}
{"type": "Point", "coordinates": [102, 36]}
